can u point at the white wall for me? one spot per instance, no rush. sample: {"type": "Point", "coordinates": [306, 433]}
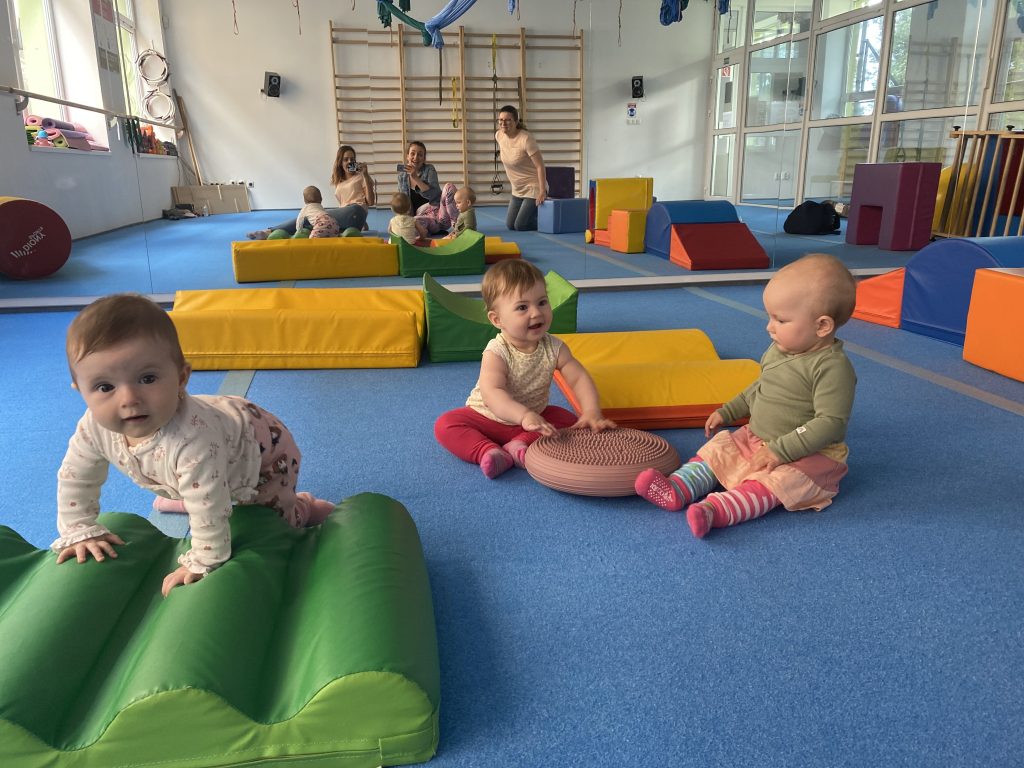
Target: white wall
{"type": "Point", "coordinates": [92, 191]}
{"type": "Point", "coordinates": [283, 144]}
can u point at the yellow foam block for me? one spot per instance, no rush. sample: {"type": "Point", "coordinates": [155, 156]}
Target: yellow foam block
{"type": "Point", "coordinates": [657, 379]}
{"type": "Point", "coordinates": [253, 328]}
{"type": "Point", "coordinates": [495, 246]}
{"type": "Point", "coordinates": [626, 230]}
{"type": "Point", "coordinates": [305, 259]}
{"type": "Point", "coordinates": [620, 194]}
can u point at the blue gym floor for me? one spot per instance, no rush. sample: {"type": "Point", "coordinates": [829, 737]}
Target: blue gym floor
{"type": "Point", "coordinates": [574, 631]}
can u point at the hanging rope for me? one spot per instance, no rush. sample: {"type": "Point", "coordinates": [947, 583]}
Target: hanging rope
{"type": "Point", "coordinates": [620, 23]}
{"type": "Point", "coordinates": [158, 105]}
{"type": "Point", "coordinates": [455, 102]}
{"type": "Point", "coordinates": [234, 15]}
{"type": "Point", "coordinates": [496, 186]}
{"type": "Point", "coordinates": [298, 12]}
{"type": "Point", "coordinates": [152, 67]}
{"type": "Point", "coordinates": [574, 18]}
{"type": "Point", "coordinates": [440, 79]}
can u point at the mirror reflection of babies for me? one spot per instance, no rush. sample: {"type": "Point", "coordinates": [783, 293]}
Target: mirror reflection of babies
{"type": "Point", "coordinates": [792, 453]}
{"type": "Point", "coordinates": [199, 453]}
{"type": "Point", "coordinates": [465, 199]}
{"type": "Point", "coordinates": [321, 223]}
{"type": "Point", "coordinates": [403, 224]}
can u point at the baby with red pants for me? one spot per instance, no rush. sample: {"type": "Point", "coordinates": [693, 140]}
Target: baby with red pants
{"type": "Point", "coordinates": [508, 409]}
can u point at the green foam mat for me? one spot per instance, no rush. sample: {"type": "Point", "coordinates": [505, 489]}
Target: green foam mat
{"type": "Point", "coordinates": [308, 647]}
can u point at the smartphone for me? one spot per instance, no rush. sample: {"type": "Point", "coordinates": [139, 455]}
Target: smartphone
{"type": "Point", "coordinates": [400, 167]}
{"type": "Point", "coordinates": [353, 167]}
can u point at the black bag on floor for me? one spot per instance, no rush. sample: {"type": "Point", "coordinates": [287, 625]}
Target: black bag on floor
{"type": "Point", "coordinates": [811, 218]}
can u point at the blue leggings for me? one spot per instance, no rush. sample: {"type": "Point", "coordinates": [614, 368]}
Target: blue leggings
{"type": "Point", "coordinates": [349, 216]}
{"type": "Point", "coordinates": [522, 214]}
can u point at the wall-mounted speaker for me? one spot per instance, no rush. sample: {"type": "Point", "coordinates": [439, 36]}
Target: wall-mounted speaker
{"type": "Point", "coordinates": [636, 86]}
{"type": "Point", "coordinates": [271, 84]}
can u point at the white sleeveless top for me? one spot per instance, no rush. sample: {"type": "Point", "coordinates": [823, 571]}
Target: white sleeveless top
{"type": "Point", "coordinates": [529, 374]}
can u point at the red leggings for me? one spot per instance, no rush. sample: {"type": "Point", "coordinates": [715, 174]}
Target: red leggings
{"type": "Point", "coordinates": [469, 435]}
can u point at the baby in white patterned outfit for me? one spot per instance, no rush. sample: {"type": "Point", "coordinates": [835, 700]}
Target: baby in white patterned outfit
{"type": "Point", "coordinates": [201, 454]}
{"type": "Point", "coordinates": [320, 222]}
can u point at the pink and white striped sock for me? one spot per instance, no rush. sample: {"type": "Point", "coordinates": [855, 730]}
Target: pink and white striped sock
{"type": "Point", "coordinates": [749, 500]}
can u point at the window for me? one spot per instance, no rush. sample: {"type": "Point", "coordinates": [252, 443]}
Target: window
{"type": "Point", "coordinates": [846, 64]}
{"type": "Point", "coordinates": [34, 45]}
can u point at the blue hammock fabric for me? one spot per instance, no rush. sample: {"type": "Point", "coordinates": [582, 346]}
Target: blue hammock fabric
{"type": "Point", "coordinates": [672, 11]}
{"type": "Point", "coordinates": [446, 16]}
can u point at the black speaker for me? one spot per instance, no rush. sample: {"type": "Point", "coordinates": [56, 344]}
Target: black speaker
{"type": "Point", "coordinates": [636, 86]}
{"type": "Point", "coordinates": [271, 84]}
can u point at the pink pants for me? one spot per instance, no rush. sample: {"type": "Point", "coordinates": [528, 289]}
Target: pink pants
{"type": "Point", "coordinates": [469, 435]}
{"type": "Point", "coordinates": [444, 215]}
{"type": "Point", "coordinates": [280, 460]}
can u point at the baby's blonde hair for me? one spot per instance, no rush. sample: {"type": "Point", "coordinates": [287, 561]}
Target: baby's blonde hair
{"type": "Point", "coordinates": [400, 203]}
{"type": "Point", "coordinates": [832, 288]}
{"type": "Point", "coordinates": [506, 277]}
{"type": "Point", "coordinates": [469, 193]}
{"type": "Point", "coordinates": [116, 319]}
{"type": "Point", "coordinates": [312, 194]}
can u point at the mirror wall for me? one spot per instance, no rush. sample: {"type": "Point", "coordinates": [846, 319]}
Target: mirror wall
{"type": "Point", "coordinates": [800, 91]}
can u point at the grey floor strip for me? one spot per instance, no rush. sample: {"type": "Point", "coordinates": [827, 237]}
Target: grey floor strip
{"type": "Point", "coordinates": [891, 362]}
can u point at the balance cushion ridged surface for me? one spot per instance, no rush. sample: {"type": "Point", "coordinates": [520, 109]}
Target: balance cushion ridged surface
{"type": "Point", "coordinates": [308, 644]}
{"type": "Point", "coordinates": [598, 463]}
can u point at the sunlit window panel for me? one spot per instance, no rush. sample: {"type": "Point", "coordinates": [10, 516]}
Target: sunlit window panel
{"type": "Point", "coordinates": [832, 153]}
{"type": "Point", "coordinates": [921, 141]}
{"type": "Point", "coordinates": [769, 167]}
{"type": "Point", "coordinates": [732, 27]}
{"type": "Point", "coordinates": [777, 84]}
{"type": "Point", "coordinates": [726, 96]}
{"type": "Point", "coordinates": [934, 61]}
{"type": "Point", "coordinates": [1001, 121]}
{"type": "Point", "coordinates": [779, 18]}
{"type": "Point", "coordinates": [830, 8]}
{"type": "Point", "coordinates": [846, 68]}
{"type": "Point", "coordinates": [1010, 70]}
{"type": "Point", "coordinates": [723, 165]}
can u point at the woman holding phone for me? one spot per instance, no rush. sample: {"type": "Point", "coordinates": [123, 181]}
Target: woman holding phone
{"type": "Point", "coordinates": [353, 188]}
{"type": "Point", "coordinates": [434, 206]}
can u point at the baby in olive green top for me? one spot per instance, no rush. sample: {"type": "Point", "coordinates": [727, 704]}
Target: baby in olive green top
{"type": "Point", "coordinates": [792, 451]}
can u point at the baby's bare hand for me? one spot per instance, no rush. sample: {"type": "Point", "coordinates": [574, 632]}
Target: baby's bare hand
{"type": "Point", "coordinates": [181, 576]}
{"type": "Point", "coordinates": [99, 547]}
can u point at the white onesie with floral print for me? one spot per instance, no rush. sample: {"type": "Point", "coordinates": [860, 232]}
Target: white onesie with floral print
{"type": "Point", "coordinates": [208, 456]}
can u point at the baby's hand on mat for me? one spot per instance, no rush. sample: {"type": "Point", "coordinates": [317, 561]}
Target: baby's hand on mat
{"type": "Point", "coordinates": [596, 422]}
{"type": "Point", "coordinates": [181, 576]}
{"type": "Point", "coordinates": [713, 424]}
{"type": "Point", "coordinates": [534, 422]}
{"type": "Point", "coordinates": [765, 459]}
{"type": "Point", "coordinates": [97, 546]}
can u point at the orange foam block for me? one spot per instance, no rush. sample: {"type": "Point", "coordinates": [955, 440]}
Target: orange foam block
{"type": "Point", "coordinates": [995, 322]}
{"type": "Point", "coordinates": [880, 299]}
{"type": "Point", "coordinates": [626, 230]}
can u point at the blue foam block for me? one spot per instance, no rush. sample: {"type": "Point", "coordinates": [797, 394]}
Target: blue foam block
{"type": "Point", "coordinates": [661, 217]}
{"type": "Point", "coordinates": [562, 215]}
{"type": "Point", "coordinates": [939, 279]}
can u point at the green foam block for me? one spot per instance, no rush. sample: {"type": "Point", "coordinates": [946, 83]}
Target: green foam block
{"type": "Point", "coordinates": [458, 328]}
{"type": "Point", "coordinates": [462, 256]}
{"type": "Point", "coordinates": [308, 647]}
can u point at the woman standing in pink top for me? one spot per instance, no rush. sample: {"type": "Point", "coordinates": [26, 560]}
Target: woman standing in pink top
{"type": "Point", "coordinates": [524, 167]}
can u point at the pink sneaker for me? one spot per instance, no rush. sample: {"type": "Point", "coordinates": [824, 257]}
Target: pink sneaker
{"type": "Point", "coordinates": [658, 489]}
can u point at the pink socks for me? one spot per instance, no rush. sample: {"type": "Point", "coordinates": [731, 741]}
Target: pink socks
{"type": "Point", "coordinates": [495, 462]}
{"type": "Point", "coordinates": [517, 450]}
{"type": "Point", "coordinates": [660, 490]}
{"type": "Point", "coordinates": [160, 504]}
{"type": "Point", "coordinates": [700, 516]}
{"type": "Point", "coordinates": [747, 501]}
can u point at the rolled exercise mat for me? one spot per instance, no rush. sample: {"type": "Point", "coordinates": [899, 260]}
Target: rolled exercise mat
{"type": "Point", "coordinates": [49, 122]}
{"type": "Point", "coordinates": [34, 240]}
{"type": "Point", "coordinates": [33, 120]}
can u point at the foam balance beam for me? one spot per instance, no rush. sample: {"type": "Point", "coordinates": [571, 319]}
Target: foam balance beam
{"type": "Point", "coordinates": [457, 325]}
{"type": "Point", "coordinates": [319, 258]}
{"type": "Point", "coordinates": [657, 379]}
{"type": "Point", "coordinates": [312, 646]}
{"type": "Point", "coordinates": [260, 328]}
{"type": "Point", "coordinates": [465, 255]}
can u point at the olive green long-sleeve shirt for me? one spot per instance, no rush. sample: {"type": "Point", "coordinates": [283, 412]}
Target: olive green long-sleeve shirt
{"type": "Point", "coordinates": [801, 403]}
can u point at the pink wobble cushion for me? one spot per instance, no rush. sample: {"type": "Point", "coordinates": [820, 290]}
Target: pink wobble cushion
{"type": "Point", "coordinates": [598, 463]}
